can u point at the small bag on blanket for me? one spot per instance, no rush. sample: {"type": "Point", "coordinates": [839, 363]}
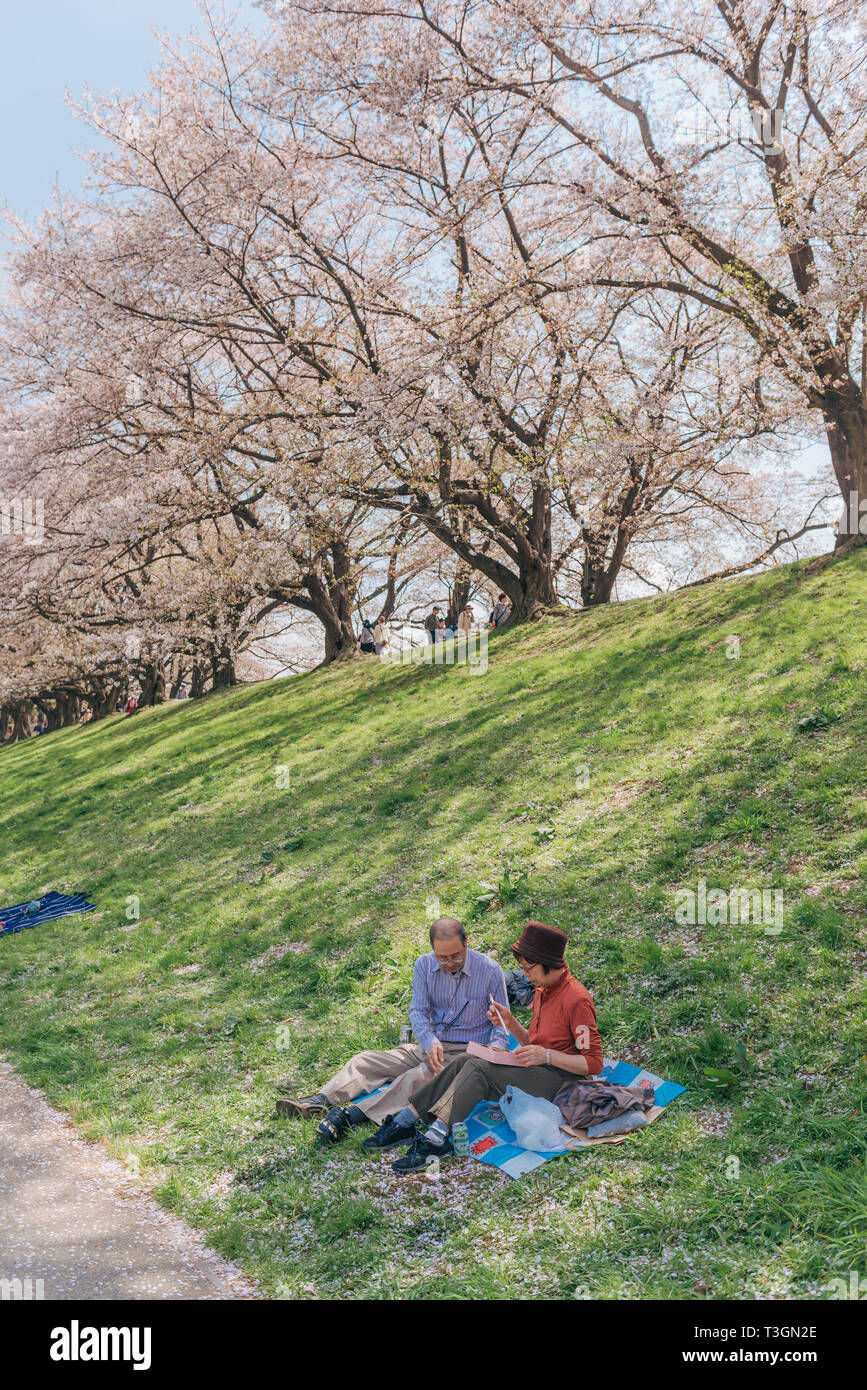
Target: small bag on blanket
{"type": "Point", "coordinates": [535, 1122]}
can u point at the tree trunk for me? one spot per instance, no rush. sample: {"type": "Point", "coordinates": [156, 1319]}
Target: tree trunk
{"type": "Point", "coordinates": [529, 584]}
{"type": "Point", "coordinates": [153, 685]}
{"type": "Point", "coordinates": [530, 591]}
{"type": "Point", "coordinates": [847, 441]}
{"type": "Point", "coordinates": [600, 570]}
{"type": "Point", "coordinates": [333, 600]}
{"type": "Point", "coordinates": [105, 698]}
{"type": "Point", "coordinates": [57, 715]}
{"type": "Point", "coordinates": [197, 681]}
{"type": "Point", "coordinates": [24, 721]}
{"type": "Point", "coordinates": [597, 582]}
{"type": "Point", "coordinates": [341, 643]}
{"type": "Point", "coordinates": [223, 669]}
{"type": "Point", "coordinates": [459, 593]}
{"type": "Point", "coordinates": [534, 594]}
{"type": "Point", "coordinates": [388, 603]}
{"type": "Point", "coordinates": [65, 709]}
{"type": "Point", "coordinates": [46, 706]}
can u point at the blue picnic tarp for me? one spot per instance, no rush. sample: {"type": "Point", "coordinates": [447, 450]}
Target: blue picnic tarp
{"type": "Point", "coordinates": [51, 906]}
{"type": "Point", "coordinates": [492, 1140]}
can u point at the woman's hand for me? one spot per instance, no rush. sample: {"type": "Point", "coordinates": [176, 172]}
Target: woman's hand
{"type": "Point", "coordinates": [531, 1056]}
{"type": "Point", "coordinates": [499, 1015]}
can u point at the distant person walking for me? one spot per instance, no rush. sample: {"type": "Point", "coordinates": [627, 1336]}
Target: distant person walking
{"type": "Point", "coordinates": [502, 611]}
{"type": "Point", "coordinates": [465, 620]}
{"type": "Point", "coordinates": [381, 637]}
{"type": "Point", "coordinates": [431, 623]}
{"type": "Point", "coordinates": [368, 639]}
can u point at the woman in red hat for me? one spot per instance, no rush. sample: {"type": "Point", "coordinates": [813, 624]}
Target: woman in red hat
{"type": "Point", "coordinates": [562, 1042]}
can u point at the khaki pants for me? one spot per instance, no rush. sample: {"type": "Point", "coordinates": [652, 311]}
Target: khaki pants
{"type": "Point", "coordinates": [457, 1090]}
{"type": "Point", "coordinates": [406, 1067]}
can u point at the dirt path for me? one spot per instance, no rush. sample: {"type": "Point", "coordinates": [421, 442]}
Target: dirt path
{"type": "Point", "coordinates": [71, 1217]}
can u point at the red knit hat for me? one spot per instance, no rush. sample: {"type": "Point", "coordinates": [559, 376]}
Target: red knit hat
{"type": "Point", "coordinates": [541, 944]}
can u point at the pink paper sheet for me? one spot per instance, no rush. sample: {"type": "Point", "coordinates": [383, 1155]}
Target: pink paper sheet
{"type": "Point", "coordinates": [494, 1054]}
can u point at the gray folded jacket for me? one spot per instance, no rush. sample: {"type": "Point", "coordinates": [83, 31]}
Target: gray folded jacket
{"type": "Point", "coordinates": [618, 1124]}
{"type": "Point", "coordinates": [585, 1103]}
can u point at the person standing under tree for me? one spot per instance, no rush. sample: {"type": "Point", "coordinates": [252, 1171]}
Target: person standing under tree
{"type": "Point", "coordinates": [502, 611]}
{"type": "Point", "coordinates": [431, 623]}
{"type": "Point", "coordinates": [465, 620]}
{"type": "Point", "coordinates": [381, 637]}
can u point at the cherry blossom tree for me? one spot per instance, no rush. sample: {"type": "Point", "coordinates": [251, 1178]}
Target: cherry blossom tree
{"type": "Point", "coordinates": [720, 147]}
{"type": "Point", "coordinates": [519, 328]}
{"type": "Point", "coordinates": [390, 296]}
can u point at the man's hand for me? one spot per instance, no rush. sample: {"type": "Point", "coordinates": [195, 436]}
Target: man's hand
{"type": "Point", "coordinates": [436, 1056]}
{"type": "Point", "coordinates": [530, 1056]}
{"type": "Point", "coordinates": [499, 1015]}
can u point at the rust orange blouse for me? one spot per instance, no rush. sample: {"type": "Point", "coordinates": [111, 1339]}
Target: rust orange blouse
{"type": "Point", "coordinates": [564, 1019]}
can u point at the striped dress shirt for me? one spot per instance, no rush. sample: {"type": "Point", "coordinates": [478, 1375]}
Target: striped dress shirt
{"type": "Point", "coordinates": [454, 1008]}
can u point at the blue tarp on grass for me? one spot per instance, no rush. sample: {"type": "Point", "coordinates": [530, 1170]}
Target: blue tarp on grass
{"type": "Point", "coordinates": [51, 906]}
{"type": "Point", "coordinates": [492, 1140]}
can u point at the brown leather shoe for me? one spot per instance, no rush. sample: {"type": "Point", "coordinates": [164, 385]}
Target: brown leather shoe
{"type": "Point", "coordinates": [305, 1106]}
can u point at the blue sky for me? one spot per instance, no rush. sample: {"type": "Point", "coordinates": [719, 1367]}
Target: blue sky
{"type": "Point", "coordinates": [50, 46]}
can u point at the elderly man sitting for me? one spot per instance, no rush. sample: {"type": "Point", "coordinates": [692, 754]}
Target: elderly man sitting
{"type": "Point", "coordinates": [452, 987]}
{"type": "Point", "coordinates": [562, 1043]}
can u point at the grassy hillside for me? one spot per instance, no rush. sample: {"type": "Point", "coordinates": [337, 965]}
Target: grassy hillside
{"type": "Point", "coordinates": [278, 924]}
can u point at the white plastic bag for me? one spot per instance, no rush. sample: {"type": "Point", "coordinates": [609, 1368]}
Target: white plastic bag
{"type": "Point", "coordinates": [536, 1122]}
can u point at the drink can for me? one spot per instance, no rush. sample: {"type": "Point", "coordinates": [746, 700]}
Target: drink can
{"type": "Point", "coordinates": [406, 1034]}
{"type": "Point", "coordinates": [461, 1138]}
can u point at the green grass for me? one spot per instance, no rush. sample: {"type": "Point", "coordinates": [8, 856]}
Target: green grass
{"type": "Point", "coordinates": [409, 785]}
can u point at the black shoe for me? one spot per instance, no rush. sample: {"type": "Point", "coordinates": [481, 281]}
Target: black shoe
{"type": "Point", "coordinates": [334, 1126]}
{"type": "Point", "coordinates": [388, 1136]}
{"type": "Point", "coordinates": [422, 1154]}
{"type": "Point", "coordinates": [356, 1116]}
{"type": "Point", "coordinates": [303, 1105]}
